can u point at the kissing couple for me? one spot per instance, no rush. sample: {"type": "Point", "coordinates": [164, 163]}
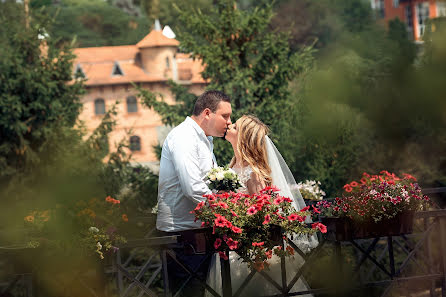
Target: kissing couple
{"type": "Point", "coordinates": [186, 158]}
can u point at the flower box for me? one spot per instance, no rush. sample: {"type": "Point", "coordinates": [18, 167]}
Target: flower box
{"type": "Point", "coordinates": [345, 229]}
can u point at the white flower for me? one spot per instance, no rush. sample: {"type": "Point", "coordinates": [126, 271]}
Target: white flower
{"type": "Point", "coordinates": [212, 177]}
{"type": "Point", "coordinates": [99, 246]}
{"type": "Point", "coordinates": [220, 175]}
{"type": "Point", "coordinates": [93, 230]}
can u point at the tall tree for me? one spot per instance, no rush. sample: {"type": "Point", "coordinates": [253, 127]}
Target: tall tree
{"type": "Point", "coordinates": [37, 92]}
{"type": "Point", "coordinates": [244, 59]}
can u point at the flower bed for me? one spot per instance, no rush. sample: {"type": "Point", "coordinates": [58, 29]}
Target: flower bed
{"type": "Point", "coordinates": [253, 225]}
{"type": "Point", "coordinates": [376, 205]}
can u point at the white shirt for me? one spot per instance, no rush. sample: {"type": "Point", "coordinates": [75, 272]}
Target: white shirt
{"type": "Point", "coordinates": [186, 158]}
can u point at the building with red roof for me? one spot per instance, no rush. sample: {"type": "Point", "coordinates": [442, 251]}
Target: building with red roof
{"type": "Point", "coordinates": [110, 72]}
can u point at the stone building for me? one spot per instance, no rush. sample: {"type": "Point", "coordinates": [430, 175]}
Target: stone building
{"type": "Point", "coordinates": [110, 72]}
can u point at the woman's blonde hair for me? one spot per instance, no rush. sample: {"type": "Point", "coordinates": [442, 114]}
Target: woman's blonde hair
{"type": "Point", "coordinates": [251, 145]}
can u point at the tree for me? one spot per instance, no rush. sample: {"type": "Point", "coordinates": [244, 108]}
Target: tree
{"type": "Point", "coordinates": [244, 59]}
{"type": "Point", "coordinates": [93, 23]}
{"type": "Point", "coordinates": [37, 93]}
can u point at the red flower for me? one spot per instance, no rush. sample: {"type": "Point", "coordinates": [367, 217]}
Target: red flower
{"type": "Point", "coordinates": [269, 254]}
{"type": "Point", "coordinates": [233, 213]}
{"type": "Point", "coordinates": [220, 221]}
{"type": "Point", "coordinates": [267, 219]}
{"type": "Point", "coordinates": [305, 208]}
{"type": "Point", "coordinates": [290, 250]}
{"type": "Point", "coordinates": [319, 226]}
{"type": "Point", "coordinates": [236, 229]}
{"type": "Point", "coordinates": [316, 210]}
{"type": "Point", "coordinates": [354, 184]}
{"type": "Point", "coordinates": [222, 205]}
{"type": "Point", "coordinates": [348, 188]}
{"type": "Point", "coordinates": [293, 217]}
{"type": "Point", "coordinates": [278, 200]}
{"type": "Point", "coordinates": [217, 243]}
{"type": "Point", "coordinates": [258, 243]}
{"type": "Point", "coordinates": [199, 205]}
{"type": "Point", "coordinates": [223, 255]}
{"type": "Point", "coordinates": [252, 210]}
{"type": "Point", "coordinates": [232, 244]}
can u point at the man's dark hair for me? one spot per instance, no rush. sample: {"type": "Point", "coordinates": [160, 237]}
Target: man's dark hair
{"type": "Point", "coordinates": [209, 99]}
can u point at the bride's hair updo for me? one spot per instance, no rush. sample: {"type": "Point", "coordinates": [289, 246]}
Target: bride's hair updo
{"type": "Point", "coordinates": [251, 144]}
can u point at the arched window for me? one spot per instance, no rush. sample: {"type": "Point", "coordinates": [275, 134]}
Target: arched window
{"type": "Point", "coordinates": [99, 106]}
{"type": "Point", "coordinates": [132, 106]}
{"type": "Point", "coordinates": [135, 143]}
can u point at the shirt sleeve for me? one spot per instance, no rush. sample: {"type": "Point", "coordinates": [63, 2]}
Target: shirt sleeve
{"type": "Point", "coordinates": [187, 164]}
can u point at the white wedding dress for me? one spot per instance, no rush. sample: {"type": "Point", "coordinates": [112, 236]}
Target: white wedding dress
{"type": "Point", "coordinates": [259, 285]}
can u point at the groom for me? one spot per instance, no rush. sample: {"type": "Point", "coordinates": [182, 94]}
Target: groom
{"type": "Point", "coordinates": [186, 157]}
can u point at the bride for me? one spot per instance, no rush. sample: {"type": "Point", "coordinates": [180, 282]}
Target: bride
{"type": "Point", "coordinates": [259, 164]}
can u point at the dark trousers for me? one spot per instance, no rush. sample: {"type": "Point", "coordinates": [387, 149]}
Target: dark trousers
{"type": "Point", "coordinates": [191, 254]}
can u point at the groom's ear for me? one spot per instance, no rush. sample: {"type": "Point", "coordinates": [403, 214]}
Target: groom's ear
{"type": "Point", "coordinates": [206, 113]}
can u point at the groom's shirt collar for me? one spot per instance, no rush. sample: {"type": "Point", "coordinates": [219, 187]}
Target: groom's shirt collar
{"type": "Point", "coordinates": [198, 129]}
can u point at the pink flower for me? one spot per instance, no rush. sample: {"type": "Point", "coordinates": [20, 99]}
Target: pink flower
{"type": "Point", "coordinates": [217, 243]}
{"type": "Point", "coordinates": [319, 226]}
{"type": "Point", "coordinates": [233, 213]}
{"type": "Point", "coordinates": [236, 229]}
{"type": "Point", "coordinates": [232, 244]}
{"type": "Point", "coordinates": [315, 209]}
{"type": "Point", "coordinates": [252, 210]}
{"type": "Point", "coordinates": [267, 219]}
{"type": "Point", "coordinates": [258, 243]}
{"type": "Point", "coordinates": [223, 255]}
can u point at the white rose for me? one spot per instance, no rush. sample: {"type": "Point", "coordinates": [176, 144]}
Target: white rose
{"type": "Point", "coordinates": [212, 177]}
{"type": "Point", "coordinates": [220, 175]}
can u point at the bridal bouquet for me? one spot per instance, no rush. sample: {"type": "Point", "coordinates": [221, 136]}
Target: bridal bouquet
{"type": "Point", "coordinates": [376, 197]}
{"type": "Point", "coordinates": [222, 179]}
{"type": "Point", "coordinates": [253, 225]}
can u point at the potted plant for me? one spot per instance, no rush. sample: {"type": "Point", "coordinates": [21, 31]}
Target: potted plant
{"type": "Point", "coordinates": [253, 225]}
{"type": "Point", "coordinates": [376, 205]}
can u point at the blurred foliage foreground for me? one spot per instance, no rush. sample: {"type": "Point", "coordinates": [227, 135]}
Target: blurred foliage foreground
{"type": "Point", "coordinates": [67, 202]}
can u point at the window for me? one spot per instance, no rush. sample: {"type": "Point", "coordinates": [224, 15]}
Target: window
{"type": "Point", "coordinates": [441, 9]}
{"type": "Point", "coordinates": [132, 105]}
{"type": "Point", "coordinates": [378, 5]}
{"type": "Point", "coordinates": [409, 20]}
{"type": "Point", "coordinates": [422, 17]}
{"type": "Point", "coordinates": [135, 143]}
{"type": "Point", "coordinates": [396, 3]}
{"type": "Point", "coordinates": [99, 106]}
{"type": "Point", "coordinates": [167, 63]}
{"type": "Point", "coordinates": [117, 71]}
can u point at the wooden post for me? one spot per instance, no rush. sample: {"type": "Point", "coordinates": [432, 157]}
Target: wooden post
{"type": "Point", "coordinates": [391, 256]}
{"type": "Point", "coordinates": [226, 276]}
{"type": "Point", "coordinates": [442, 222]}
